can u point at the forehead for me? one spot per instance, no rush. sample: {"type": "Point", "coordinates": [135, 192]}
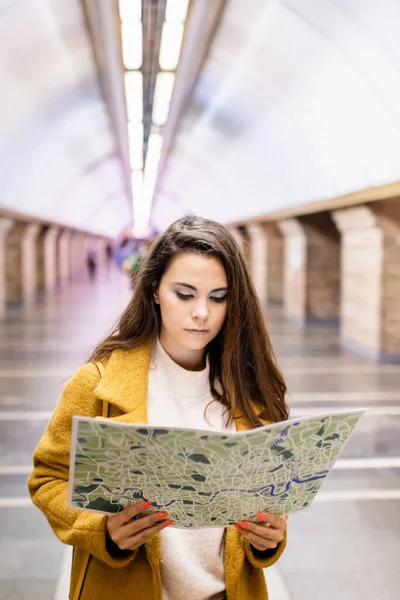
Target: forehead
{"type": "Point", "coordinates": [197, 270]}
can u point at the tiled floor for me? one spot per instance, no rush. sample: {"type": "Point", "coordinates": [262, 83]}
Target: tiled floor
{"type": "Point", "coordinates": [346, 546]}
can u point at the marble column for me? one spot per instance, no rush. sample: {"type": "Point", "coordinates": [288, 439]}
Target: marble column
{"type": "Point", "coordinates": [29, 262]}
{"type": "Point", "coordinates": [101, 252]}
{"type": "Point", "coordinates": [246, 249]}
{"type": "Point", "coordinates": [242, 240]}
{"type": "Point", "coordinates": [50, 258]}
{"type": "Point", "coordinates": [40, 259]}
{"type": "Point", "coordinates": [5, 226]}
{"type": "Point", "coordinates": [77, 254]}
{"type": "Point", "coordinates": [370, 305]}
{"type": "Point", "coordinates": [63, 258]}
{"type": "Point", "coordinates": [14, 262]}
{"type": "Point", "coordinates": [267, 261]}
{"type": "Point", "coordinates": [311, 268]}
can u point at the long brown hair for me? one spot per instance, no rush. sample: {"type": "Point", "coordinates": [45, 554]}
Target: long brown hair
{"type": "Point", "coordinates": [243, 367]}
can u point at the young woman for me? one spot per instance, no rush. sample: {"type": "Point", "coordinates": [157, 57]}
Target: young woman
{"type": "Point", "coordinates": [190, 350]}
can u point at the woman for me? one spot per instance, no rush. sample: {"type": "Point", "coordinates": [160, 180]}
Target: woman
{"type": "Point", "coordinates": [190, 350]}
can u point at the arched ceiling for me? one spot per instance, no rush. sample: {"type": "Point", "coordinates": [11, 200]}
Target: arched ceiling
{"type": "Point", "coordinates": [298, 101]}
{"type": "Point", "coordinates": [58, 157]}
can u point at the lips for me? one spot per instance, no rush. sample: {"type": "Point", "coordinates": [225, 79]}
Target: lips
{"type": "Point", "coordinates": [199, 331]}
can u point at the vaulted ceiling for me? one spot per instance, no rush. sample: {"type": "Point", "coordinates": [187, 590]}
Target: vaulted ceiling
{"type": "Point", "coordinates": [58, 153]}
{"type": "Point", "coordinates": [276, 103]}
{"type": "Point", "coordinates": [298, 101]}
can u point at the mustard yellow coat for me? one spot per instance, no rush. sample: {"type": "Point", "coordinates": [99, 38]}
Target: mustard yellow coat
{"type": "Point", "coordinates": [125, 575]}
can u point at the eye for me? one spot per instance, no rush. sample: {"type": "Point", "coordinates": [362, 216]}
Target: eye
{"type": "Point", "coordinates": [184, 296]}
{"type": "Point", "coordinates": [218, 299]}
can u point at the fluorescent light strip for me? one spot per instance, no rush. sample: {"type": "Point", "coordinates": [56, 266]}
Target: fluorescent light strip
{"type": "Point", "coordinates": [135, 134]}
{"type": "Point", "coordinates": [162, 97]}
{"type": "Point", "coordinates": [171, 42]}
{"type": "Point", "coordinates": [152, 162]}
{"type": "Point", "coordinates": [130, 11]}
{"type": "Point", "coordinates": [176, 11]}
{"type": "Point", "coordinates": [132, 45]}
{"type": "Point", "coordinates": [134, 96]}
{"type": "Point", "coordinates": [141, 202]}
{"type": "Point", "coordinates": [137, 184]}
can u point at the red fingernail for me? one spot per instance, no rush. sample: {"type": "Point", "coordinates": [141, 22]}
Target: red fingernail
{"type": "Point", "coordinates": [262, 515]}
{"type": "Point", "coordinates": [237, 526]}
{"type": "Point", "coordinates": [168, 523]}
{"type": "Point", "coordinates": [162, 515]}
{"type": "Point", "coordinates": [243, 524]}
{"type": "Point", "coordinates": [146, 504]}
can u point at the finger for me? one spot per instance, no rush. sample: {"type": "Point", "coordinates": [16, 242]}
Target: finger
{"type": "Point", "coordinates": [276, 535]}
{"type": "Point", "coordinates": [128, 514]}
{"type": "Point", "coordinates": [127, 531]}
{"type": "Point", "coordinates": [139, 538]}
{"type": "Point", "coordinates": [258, 542]}
{"type": "Point", "coordinates": [275, 521]}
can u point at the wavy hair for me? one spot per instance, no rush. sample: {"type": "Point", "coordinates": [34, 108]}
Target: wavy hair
{"type": "Point", "coordinates": [243, 367]}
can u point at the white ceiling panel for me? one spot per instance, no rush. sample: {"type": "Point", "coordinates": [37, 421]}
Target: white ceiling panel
{"type": "Point", "coordinates": [298, 101]}
{"type": "Point", "coordinates": [57, 151]}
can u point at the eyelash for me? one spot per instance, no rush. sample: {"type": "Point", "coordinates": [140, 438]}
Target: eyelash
{"type": "Point", "coordinates": [186, 297]}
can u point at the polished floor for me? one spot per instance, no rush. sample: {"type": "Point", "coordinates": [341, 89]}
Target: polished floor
{"type": "Point", "coordinates": [346, 546]}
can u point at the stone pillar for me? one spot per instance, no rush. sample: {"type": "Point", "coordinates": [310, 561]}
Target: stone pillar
{"type": "Point", "coordinates": [370, 306]}
{"type": "Point", "coordinates": [237, 233]}
{"type": "Point", "coordinates": [294, 270]}
{"type": "Point", "coordinates": [267, 261]}
{"type": "Point", "coordinates": [14, 261]}
{"type": "Point", "coordinates": [41, 259]}
{"type": "Point", "coordinates": [311, 268]}
{"type": "Point", "coordinates": [5, 226]}
{"type": "Point", "coordinates": [29, 262]}
{"type": "Point", "coordinates": [77, 254]}
{"type": "Point", "coordinates": [50, 250]}
{"type": "Point", "coordinates": [63, 256]}
{"type": "Point", "coordinates": [246, 246]}
{"type": "Point", "coordinates": [101, 252]}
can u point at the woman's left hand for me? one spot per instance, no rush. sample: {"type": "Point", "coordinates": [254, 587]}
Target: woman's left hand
{"type": "Point", "coordinates": [266, 535]}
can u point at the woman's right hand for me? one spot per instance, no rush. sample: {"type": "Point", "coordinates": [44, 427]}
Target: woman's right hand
{"type": "Point", "coordinates": [129, 534]}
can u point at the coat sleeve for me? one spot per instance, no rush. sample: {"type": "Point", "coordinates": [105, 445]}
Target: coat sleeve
{"type": "Point", "coordinates": [263, 560]}
{"type": "Point", "coordinates": [48, 482]}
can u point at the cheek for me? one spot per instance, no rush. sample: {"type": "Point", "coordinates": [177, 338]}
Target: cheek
{"type": "Point", "coordinates": [171, 309]}
{"type": "Point", "coordinates": [220, 315]}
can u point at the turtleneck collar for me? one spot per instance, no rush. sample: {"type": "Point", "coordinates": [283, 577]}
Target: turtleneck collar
{"type": "Point", "coordinates": [180, 381]}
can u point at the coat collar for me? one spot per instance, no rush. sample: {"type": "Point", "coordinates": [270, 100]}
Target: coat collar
{"type": "Point", "coordinates": [124, 384]}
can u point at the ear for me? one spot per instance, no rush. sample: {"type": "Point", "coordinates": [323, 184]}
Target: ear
{"type": "Point", "coordinates": [156, 297]}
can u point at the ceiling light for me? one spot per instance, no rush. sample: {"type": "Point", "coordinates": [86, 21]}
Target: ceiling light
{"type": "Point", "coordinates": [162, 97]}
{"type": "Point", "coordinates": [171, 42]}
{"type": "Point", "coordinates": [176, 11]}
{"type": "Point", "coordinates": [152, 162]}
{"type": "Point", "coordinates": [135, 134]}
{"type": "Point", "coordinates": [141, 205]}
{"type": "Point", "coordinates": [130, 10]}
{"type": "Point", "coordinates": [132, 45]}
{"type": "Point", "coordinates": [137, 183]}
{"type": "Point", "coordinates": [134, 96]}
{"type": "Point", "coordinates": [155, 144]}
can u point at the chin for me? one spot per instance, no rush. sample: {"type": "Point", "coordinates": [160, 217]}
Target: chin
{"type": "Point", "coordinates": [200, 345]}
{"type": "Point", "coordinates": [196, 344]}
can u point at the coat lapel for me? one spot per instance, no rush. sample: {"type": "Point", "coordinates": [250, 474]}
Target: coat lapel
{"type": "Point", "coordinates": [125, 383]}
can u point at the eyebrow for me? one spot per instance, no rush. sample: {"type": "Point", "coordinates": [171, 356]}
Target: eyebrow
{"type": "Point", "coordinates": [191, 287]}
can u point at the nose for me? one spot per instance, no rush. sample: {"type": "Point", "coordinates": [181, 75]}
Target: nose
{"type": "Point", "coordinates": [200, 311]}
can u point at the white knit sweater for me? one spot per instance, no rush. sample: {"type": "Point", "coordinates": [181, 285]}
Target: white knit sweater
{"type": "Point", "coordinates": [192, 560]}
